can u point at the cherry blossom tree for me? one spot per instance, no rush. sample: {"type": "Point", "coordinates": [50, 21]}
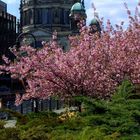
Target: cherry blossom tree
{"type": "Point", "coordinates": [94, 66]}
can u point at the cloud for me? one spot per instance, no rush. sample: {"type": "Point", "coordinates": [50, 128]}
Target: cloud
{"type": "Point", "coordinates": [13, 7]}
{"type": "Point", "coordinates": [11, 1]}
{"type": "Point", "coordinates": [110, 9]}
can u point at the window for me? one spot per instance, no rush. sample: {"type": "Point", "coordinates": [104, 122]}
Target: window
{"type": "Point", "coordinates": [49, 16]}
{"type": "Point", "coordinates": [66, 17]}
{"type": "Point", "coordinates": [56, 16]}
{"type": "Point", "coordinates": [38, 16]}
{"type": "Point", "coordinates": [62, 16]}
{"type": "Point", "coordinates": [45, 16]}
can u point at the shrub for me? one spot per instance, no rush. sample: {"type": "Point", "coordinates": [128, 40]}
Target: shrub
{"type": "Point", "coordinates": [9, 134]}
{"type": "Point", "coordinates": [2, 123]}
{"type": "Point", "coordinates": [35, 133]}
{"type": "Point", "coordinates": [42, 114]}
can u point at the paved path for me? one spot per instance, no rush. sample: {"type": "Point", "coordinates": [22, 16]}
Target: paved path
{"type": "Point", "coordinates": [10, 123]}
{"type": "Point", "coordinates": [64, 109]}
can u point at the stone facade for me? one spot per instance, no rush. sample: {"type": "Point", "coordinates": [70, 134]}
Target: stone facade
{"type": "Point", "coordinates": [7, 39]}
{"type": "Point", "coordinates": [7, 30]}
{"type": "Point", "coordinates": [3, 6]}
{"type": "Point", "coordinates": [43, 17]}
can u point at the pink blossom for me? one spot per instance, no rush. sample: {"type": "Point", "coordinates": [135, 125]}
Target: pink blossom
{"type": "Point", "coordinates": [94, 66]}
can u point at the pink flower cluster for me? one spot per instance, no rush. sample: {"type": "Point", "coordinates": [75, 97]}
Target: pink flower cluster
{"type": "Point", "coordinates": [94, 66]}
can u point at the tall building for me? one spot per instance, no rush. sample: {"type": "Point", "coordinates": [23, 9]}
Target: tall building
{"type": "Point", "coordinates": [42, 17]}
{"type": "Point", "coordinates": [7, 39]}
{"type": "Point", "coordinates": [7, 29]}
{"type": "Point", "coordinates": [3, 6]}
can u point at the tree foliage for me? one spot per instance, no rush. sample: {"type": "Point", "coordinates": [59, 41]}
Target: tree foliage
{"type": "Point", "coordinates": [94, 66]}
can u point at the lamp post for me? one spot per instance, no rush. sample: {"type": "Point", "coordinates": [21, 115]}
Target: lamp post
{"type": "Point", "coordinates": [25, 39]}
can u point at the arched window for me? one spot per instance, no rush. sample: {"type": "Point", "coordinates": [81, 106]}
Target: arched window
{"type": "Point", "coordinates": [38, 16]}
{"type": "Point", "coordinates": [62, 16]}
{"type": "Point", "coordinates": [56, 16]}
{"type": "Point", "coordinates": [49, 16]}
{"type": "Point", "coordinates": [66, 17]}
{"type": "Point", "coordinates": [45, 16]}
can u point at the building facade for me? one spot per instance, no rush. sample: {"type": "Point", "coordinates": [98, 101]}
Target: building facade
{"type": "Point", "coordinates": [7, 30]}
{"type": "Point", "coordinates": [43, 17]}
{"type": "Point", "coordinates": [3, 6]}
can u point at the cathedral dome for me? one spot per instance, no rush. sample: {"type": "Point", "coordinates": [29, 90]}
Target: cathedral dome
{"type": "Point", "coordinates": [94, 21]}
{"type": "Point", "coordinates": [77, 7]}
{"type": "Point", "coordinates": [95, 25]}
{"type": "Point", "coordinates": [78, 11]}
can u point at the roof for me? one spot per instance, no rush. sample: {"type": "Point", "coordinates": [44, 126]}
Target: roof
{"type": "Point", "coordinates": [94, 21]}
{"type": "Point", "coordinates": [78, 7]}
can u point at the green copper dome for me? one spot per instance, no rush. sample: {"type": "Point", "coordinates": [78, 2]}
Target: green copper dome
{"type": "Point", "coordinates": [95, 25]}
{"type": "Point", "coordinates": [77, 7]}
{"type": "Point", "coordinates": [94, 21]}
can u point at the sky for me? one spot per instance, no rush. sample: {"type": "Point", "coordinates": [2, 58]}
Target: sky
{"type": "Point", "coordinates": [109, 9]}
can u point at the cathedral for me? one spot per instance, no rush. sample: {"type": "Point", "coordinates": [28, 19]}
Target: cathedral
{"type": "Point", "coordinates": [42, 17]}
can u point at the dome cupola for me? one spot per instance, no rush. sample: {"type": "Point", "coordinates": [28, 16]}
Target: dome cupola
{"type": "Point", "coordinates": [78, 11]}
{"type": "Point", "coordinates": [77, 14]}
{"type": "Point", "coordinates": [95, 24]}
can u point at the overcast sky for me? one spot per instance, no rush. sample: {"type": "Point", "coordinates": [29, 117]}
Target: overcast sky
{"type": "Point", "coordinates": [109, 9]}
